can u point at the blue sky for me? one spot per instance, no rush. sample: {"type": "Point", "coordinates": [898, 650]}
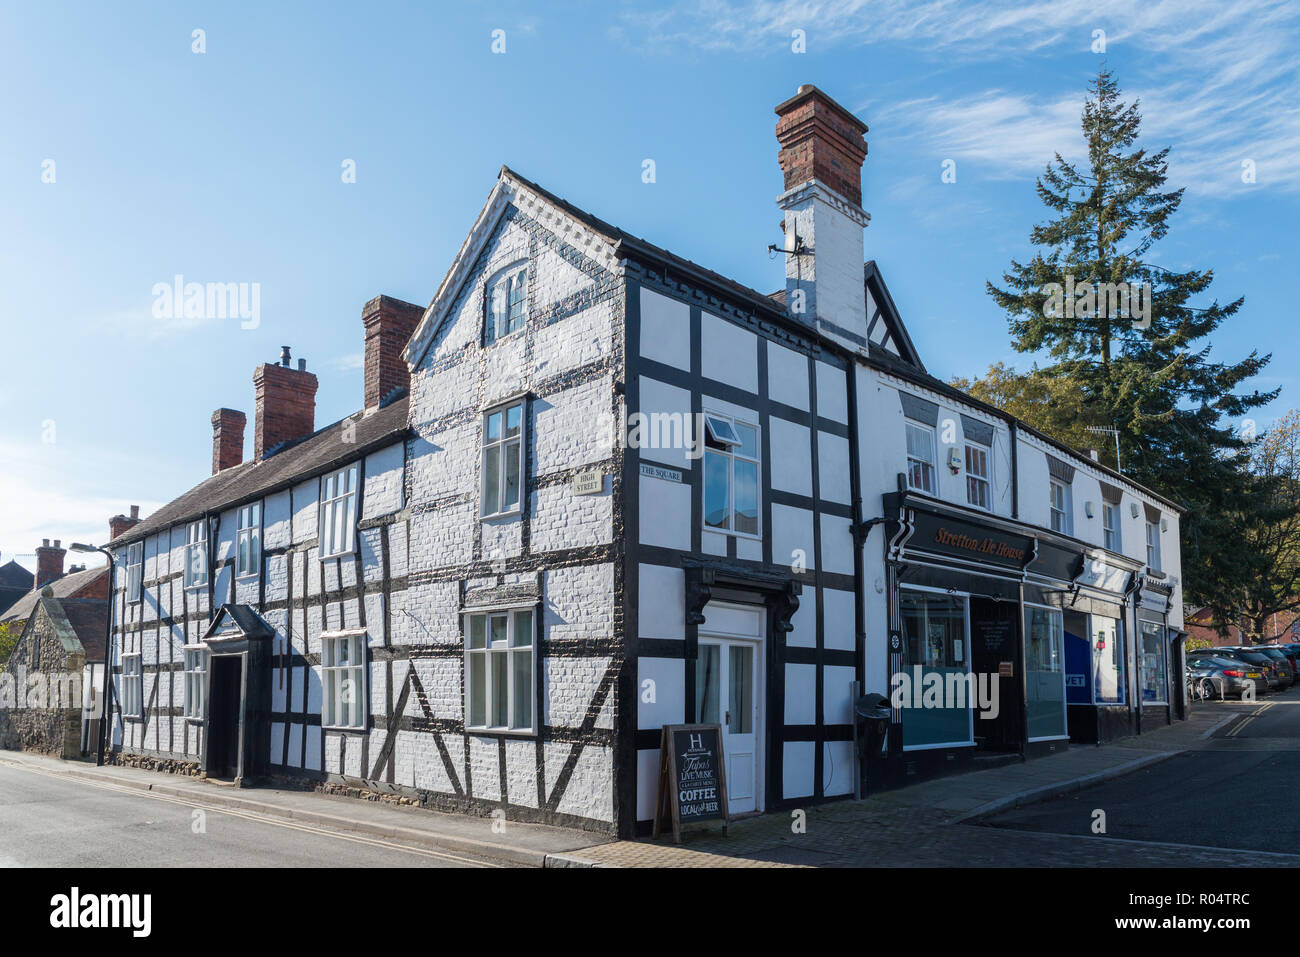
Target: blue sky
{"type": "Point", "coordinates": [226, 166]}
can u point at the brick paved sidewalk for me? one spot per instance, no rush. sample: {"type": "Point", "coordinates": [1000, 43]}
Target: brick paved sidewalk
{"type": "Point", "coordinates": [931, 824]}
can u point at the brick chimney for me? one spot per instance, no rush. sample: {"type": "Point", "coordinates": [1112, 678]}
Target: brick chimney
{"type": "Point", "coordinates": [49, 562]}
{"type": "Point", "coordinates": [227, 439]}
{"type": "Point", "coordinates": [286, 403]}
{"type": "Point", "coordinates": [389, 323]}
{"type": "Point", "coordinates": [822, 151]}
{"type": "Point", "coordinates": [119, 524]}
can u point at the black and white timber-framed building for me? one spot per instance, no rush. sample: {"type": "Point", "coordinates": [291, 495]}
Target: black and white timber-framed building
{"type": "Point", "coordinates": [596, 489]}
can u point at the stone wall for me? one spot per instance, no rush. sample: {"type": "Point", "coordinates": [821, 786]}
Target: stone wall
{"type": "Point", "coordinates": [40, 693]}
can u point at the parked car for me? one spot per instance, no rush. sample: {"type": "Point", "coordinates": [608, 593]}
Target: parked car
{"type": "Point", "coordinates": [1214, 677]}
{"type": "Point", "coordinates": [1249, 656]}
{"type": "Point", "coordinates": [1283, 660]}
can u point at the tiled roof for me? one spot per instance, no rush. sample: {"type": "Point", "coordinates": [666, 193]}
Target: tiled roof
{"type": "Point", "coordinates": [64, 587]}
{"type": "Point", "coordinates": [324, 450]}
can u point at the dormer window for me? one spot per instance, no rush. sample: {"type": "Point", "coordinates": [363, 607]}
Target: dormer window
{"type": "Point", "coordinates": [507, 303]}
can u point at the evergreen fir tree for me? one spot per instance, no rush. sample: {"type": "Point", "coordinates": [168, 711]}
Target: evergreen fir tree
{"type": "Point", "coordinates": [1179, 411]}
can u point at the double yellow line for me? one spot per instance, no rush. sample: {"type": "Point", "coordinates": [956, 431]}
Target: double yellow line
{"type": "Point", "coordinates": [1248, 719]}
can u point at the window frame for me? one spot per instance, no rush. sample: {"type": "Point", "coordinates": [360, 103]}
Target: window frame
{"type": "Point", "coordinates": [1066, 510]}
{"type": "Point", "coordinates": [509, 650]}
{"type": "Point", "coordinates": [325, 529]}
{"type": "Point", "coordinates": [987, 478]}
{"type": "Point", "coordinates": [1112, 536]}
{"type": "Point", "coordinates": [253, 533]}
{"type": "Point", "coordinates": [1153, 547]}
{"type": "Point", "coordinates": [135, 572]}
{"type": "Point", "coordinates": [502, 443]}
{"type": "Point", "coordinates": [133, 686]}
{"type": "Point", "coordinates": [196, 540]}
{"type": "Point", "coordinates": [933, 463]}
{"type": "Point", "coordinates": [732, 451]}
{"type": "Point", "coordinates": [1147, 629]}
{"type": "Point", "coordinates": [330, 671]}
{"type": "Point", "coordinates": [510, 277]}
{"type": "Point", "coordinates": [194, 681]}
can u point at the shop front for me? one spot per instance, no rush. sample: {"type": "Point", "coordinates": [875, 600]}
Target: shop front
{"type": "Point", "coordinates": [970, 673]}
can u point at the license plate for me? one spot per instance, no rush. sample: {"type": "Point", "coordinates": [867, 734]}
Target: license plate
{"type": "Point", "coordinates": [1252, 674]}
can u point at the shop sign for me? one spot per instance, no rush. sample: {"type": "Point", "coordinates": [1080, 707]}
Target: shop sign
{"type": "Point", "coordinates": [938, 533]}
{"type": "Point", "coordinates": [692, 776]}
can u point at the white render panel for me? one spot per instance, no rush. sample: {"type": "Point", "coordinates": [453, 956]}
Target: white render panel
{"type": "Point", "coordinates": [837, 698]}
{"type": "Point", "coordinates": [791, 456]}
{"type": "Point", "coordinates": [833, 468]}
{"type": "Point", "coordinates": [797, 769]}
{"type": "Point", "coordinates": [787, 376]}
{"type": "Point", "coordinates": [661, 609]}
{"type": "Point", "coordinates": [832, 399]}
{"type": "Point", "coordinates": [839, 622]}
{"type": "Point", "coordinates": [837, 768]}
{"type": "Point", "coordinates": [665, 330]}
{"type": "Point", "coordinates": [666, 428]}
{"type": "Point", "coordinates": [383, 481]}
{"type": "Point", "coordinates": [729, 353]}
{"type": "Point", "coordinates": [792, 536]}
{"type": "Point", "coordinates": [800, 694]}
{"type": "Point", "coordinates": [661, 692]}
{"type": "Point", "coordinates": [665, 513]}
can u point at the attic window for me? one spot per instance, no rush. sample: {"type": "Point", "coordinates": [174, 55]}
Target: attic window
{"type": "Point", "coordinates": [507, 303]}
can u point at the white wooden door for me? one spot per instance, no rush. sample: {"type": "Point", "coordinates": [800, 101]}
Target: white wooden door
{"type": "Point", "coordinates": [727, 693]}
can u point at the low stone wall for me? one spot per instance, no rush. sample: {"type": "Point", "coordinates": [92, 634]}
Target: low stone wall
{"type": "Point", "coordinates": [149, 762]}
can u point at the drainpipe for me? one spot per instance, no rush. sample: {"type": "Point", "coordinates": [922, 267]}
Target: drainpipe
{"type": "Point", "coordinates": [1015, 470]}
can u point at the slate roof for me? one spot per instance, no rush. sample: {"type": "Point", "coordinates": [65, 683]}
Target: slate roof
{"type": "Point", "coordinates": [13, 575]}
{"type": "Point", "coordinates": [64, 587]}
{"type": "Point", "coordinates": [88, 618]}
{"type": "Point", "coordinates": [320, 452]}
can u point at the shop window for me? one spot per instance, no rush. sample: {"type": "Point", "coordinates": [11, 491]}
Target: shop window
{"type": "Point", "coordinates": [1107, 661]}
{"type": "Point", "coordinates": [499, 669]}
{"type": "Point", "coordinates": [1044, 672]}
{"type": "Point", "coordinates": [979, 490]}
{"type": "Point", "coordinates": [1151, 664]}
{"type": "Point", "coordinates": [921, 473]}
{"type": "Point", "coordinates": [731, 470]}
{"type": "Point", "coordinates": [936, 639]}
{"type": "Point", "coordinates": [1062, 520]}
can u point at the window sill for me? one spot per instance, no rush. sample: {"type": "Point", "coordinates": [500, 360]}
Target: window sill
{"type": "Point", "coordinates": [502, 732]}
{"type": "Point", "coordinates": [497, 516]}
{"type": "Point", "coordinates": [196, 586]}
{"type": "Point", "coordinates": [748, 536]}
{"type": "Point", "coordinates": [246, 576]}
{"type": "Point", "coordinates": [344, 554]}
{"type": "Point", "coordinates": [349, 729]}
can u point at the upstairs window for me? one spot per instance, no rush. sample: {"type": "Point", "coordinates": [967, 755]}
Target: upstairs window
{"type": "Point", "coordinates": [196, 554]}
{"type": "Point", "coordinates": [338, 512]}
{"type": "Point", "coordinates": [507, 303]}
{"type": "Point", "coordinates": [920, 458]}
{"type": "Point", "coordinates": [503, 460]}
{"type": "Point", "coordinates": [499, 685]}
{"type": "Point", "coordinates": [1110, 527]}
{"type": "Point", "coordinates": [979, 490]}
{"type": "Point", "coordinates": [248, 547]}
{"type": "Point", "coordinates": [1060, 508]}
{"type": "Point", "coordinates": [135, 572]}
{"type": "Point", "coordinates": [1153, 546]}
{"type": "Point", "coordinates": [731, 469]}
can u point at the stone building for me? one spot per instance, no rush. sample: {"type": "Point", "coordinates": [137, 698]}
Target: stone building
{"type": "Point", "coordinates": [46, 697]}
{"type": "Point", "coordinates": [596, 488]}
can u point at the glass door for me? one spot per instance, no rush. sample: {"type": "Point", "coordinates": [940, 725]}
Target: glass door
{"type": "Point", "coordinates": [725, 694]}
{"type": "Point", "coordinates": [1044, 672]}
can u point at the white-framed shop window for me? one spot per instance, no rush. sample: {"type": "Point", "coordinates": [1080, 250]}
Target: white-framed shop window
{"type": "Point", "coordinates": [196, 665]}
{"type": "Point", "coordinates": [135, 571]}
{"type": "Point", "coordinates": [500, 670]}
{"type": "Point", "coordinates": [1060, 504]}
{"type": "Point", "coordinates": [921, 473]}
{"type": "Point", "coordinates": [338, 512]}
{"type": "Point", "coordinates": [196, 554]}
{"type": "Point", "coordinates": [1110, 524]}
{"type": "Point", "coordinates": [248, 541]}
{"type": "Point", "coordinates": [506, 303]}
{"type": "Point", "coordinates": [732, 467]}
{"type": "Point", "coordinates": [1153, 546]}
{"type": "Point", "coordinates": [503, 459]}
{"type": "Point", "coordinates": [133, 685]}
{"type": "Point", "coordinates": [344, 698]}
{"type": "Point", "coordinates": [979, 476]}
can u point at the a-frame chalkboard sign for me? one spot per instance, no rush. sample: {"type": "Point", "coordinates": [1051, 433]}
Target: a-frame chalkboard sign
{"type": "Point", "coordinates": [692, 777]}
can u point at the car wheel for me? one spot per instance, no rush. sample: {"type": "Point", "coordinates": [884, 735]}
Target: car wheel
{"type": "Point", "coordinates": [1207, 689]}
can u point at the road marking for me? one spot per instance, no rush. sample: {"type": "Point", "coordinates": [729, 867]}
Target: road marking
{"type": "Point", "coordinates": [1237, 729]}
{"type": "Point", "coordinates": [255, 818]}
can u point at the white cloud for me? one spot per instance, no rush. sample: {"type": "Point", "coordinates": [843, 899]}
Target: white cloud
{"type": "Point", "coordinates": [1218, 82]}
